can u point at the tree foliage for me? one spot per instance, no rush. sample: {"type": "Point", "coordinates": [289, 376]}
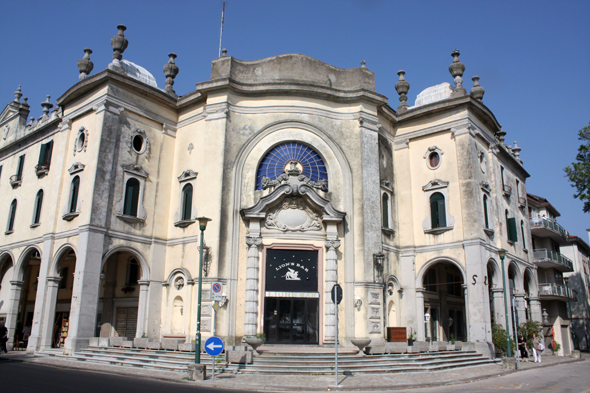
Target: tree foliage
{"type": "Point", "coordinates": [579, 172]}
{"type": "Point", "coordinates": [526, 329]}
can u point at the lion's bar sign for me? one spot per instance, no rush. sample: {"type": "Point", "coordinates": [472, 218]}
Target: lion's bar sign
{"type": "Point", "coordinates": [291, 271]}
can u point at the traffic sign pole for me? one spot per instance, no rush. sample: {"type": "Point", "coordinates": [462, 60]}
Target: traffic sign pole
{"type": "Point", "coordinates": [336, 299]}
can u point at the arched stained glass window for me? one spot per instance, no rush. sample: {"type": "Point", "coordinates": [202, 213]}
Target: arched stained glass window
{"type": "Point", "coordinates": [274, 162]}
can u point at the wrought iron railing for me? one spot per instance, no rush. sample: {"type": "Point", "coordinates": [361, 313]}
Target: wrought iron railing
{"type": "Point", "coordinates": [544, 255]}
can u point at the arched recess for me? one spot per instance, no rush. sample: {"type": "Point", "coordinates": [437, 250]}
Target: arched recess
{"type": "Point", "coordinates": [443, 281]}
{"type": "Point", "coordinates": [122, 299]}
{"type": "Point", "coordinates": [6, 276]}
{"type": "Point", "coordinates": [515, 278]}
{"type": "Point", "coordinates": [244, 177]}
{"type": "Point", "coordinates": [179, 286]}
{"type": "Point", "coordinates": [393, 301]}
{"type": "Point", "coordinates": [184, 271]}
{"type": "Point", "coordinates": [530, 291]}
{"type": "Point", "coordinates": [495, 290]}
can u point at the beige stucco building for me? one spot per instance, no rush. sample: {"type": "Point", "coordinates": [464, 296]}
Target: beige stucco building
{"type": "Point", "coordinates": [310, 178]}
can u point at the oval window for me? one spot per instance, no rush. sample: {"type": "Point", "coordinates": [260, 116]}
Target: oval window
{"type": "Point", "coordinates": [434, 160]}
{"type": "Point", "coordinates": [138, 143]}
{"type": "Point", "coordinates": [81, 140]}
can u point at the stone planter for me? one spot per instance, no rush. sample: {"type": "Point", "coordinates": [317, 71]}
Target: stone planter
{"type": "Point", "coordinates": [154, 345]}
{"type": "Point", "coordinates": [170, 344]}
{"type": "Point", "coordinates": [187, 347]}
{"type": "Point", "coordinates": [360, 343]}
{"type": "Point", "coordinates": [141, 342]}
{"type": "Point", "coordinates": [115, 341]}
{"type": "Point", "coordinates": [254, 342]}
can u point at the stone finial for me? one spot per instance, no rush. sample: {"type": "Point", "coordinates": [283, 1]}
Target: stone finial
{"type": "Point", "coordinates": [516, 150]}
{"type": "Point", "coordinates": [46, 106]}
{"type": "Point", "coordinates": [17, 94]}
{"type": "Point", "coordinates": [170, 72]}
{"type": "Point", "coordinates": [223, 52]}
{"type": "Point", "coordinates": [457, 69]}
{"type": "Point", "coordinates": [119, 44]}
{"type": "Point", "coordinates": [402, 87]}
{"type": "Point", "coordinates": [500, 134]}
{"type": "Point", "coordinates": [85, 65]}
{"type": "Point", "coordinates": [25, 103]}
{"type": "Point", "coordinates": [476, 91]}
{"type": "Point", "coordinates": [363, 64]}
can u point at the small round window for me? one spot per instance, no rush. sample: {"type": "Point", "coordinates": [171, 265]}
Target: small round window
{"type": "Point", "coordinates": [138, 143]}
{"type": "Point", "coordinates": [433, 160]}
{"type": "Point", "coordinates": [80, 142]}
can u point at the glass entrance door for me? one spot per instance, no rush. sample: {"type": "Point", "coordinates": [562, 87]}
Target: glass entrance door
{"type": "Point", "coordinates": [291, 320]}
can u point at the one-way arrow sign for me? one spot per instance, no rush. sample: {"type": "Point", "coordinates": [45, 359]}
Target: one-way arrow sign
{"type": "Point", "coordinates": [213, 346]}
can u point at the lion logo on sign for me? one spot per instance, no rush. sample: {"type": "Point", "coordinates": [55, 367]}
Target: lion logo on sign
{"type": "Point", "coordinates": [291, 275]}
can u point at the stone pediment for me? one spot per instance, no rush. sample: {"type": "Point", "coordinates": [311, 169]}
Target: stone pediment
{"type": "Point", "coordinates": [294, 206]}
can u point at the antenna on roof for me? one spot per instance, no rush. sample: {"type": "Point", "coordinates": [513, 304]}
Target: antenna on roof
{"type": "Point", "coordinates": [221, 30]}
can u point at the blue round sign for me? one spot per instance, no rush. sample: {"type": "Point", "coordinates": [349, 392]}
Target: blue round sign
{"type": "Point", "coordinates": [213, 346]}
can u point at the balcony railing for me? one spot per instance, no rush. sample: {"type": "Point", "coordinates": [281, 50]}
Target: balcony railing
{"type": "Point", "coordinates": [16, 180]}
{"type": "Point", "coordinates": [507, 190]}
{"type": "Point", "coordinates": [544, 255]}
{"type": "Point", "coordinates": [544, 223]}
{"type": "Point", "coordinates": [557, 290]}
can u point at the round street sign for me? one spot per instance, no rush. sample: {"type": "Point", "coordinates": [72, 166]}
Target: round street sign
{"type": "Point", "coordinates": [336, 294]}
{"type": "Point", "coordinates": [213, 346]}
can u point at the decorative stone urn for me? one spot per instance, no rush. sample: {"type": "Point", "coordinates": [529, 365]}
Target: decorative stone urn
{"type": "Point", "coordinates": [476, 91]}
{"type": "Point", "coordinates": [402, 87]}
{"type": "Point", "coordinates": [85, 65]}
{"type": "Point", "coordinates": [170, 72]}
{"type": "Point", "coordinates": [360, 343]}
{"type": "Point", "coordinates": [457, 69]}
{"type": "Point", "coordinates": [119, 44]}
{"type": "Point", "coordinates": [254, 342]}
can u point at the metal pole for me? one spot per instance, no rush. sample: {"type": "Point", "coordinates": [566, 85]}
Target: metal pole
{"type": "Point", "coordinates": [509, 350]}
{"type": "Point", "coordinates": [336, 341]}
{"type": "Point", "coordinates": [221, 29]}
{"type": "Point", "coordinates": [213, 368]}
{"type": "Point", "coordinates": [198, 341]}
{"type": "Point", "coordinates": [516, 334]}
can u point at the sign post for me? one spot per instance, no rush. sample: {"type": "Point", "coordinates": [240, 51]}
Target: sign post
{"type": "Point", "coordinates": [213, 347]}
{"type": "Point", "coordinates": [336, 299]}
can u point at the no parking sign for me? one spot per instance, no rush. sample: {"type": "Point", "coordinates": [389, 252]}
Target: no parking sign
{"type": "Point", "coordinates": [216, 291]}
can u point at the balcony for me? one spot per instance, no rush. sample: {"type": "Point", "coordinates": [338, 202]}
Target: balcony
{"type": "Point", "coordinates": [41, 169]}
{"type": "Point", "coordinates": [507, 190]}
{"type": "Point", "coordinates": [521, 202]}
{"type": "Point", "coordinates": [550, 259]}
{"type": "Point", "coordinates": [16, 180]}
{"type": "Point", "coordinates": [542, 227]}
{"type": "Point", "coordinates": [557, 292]}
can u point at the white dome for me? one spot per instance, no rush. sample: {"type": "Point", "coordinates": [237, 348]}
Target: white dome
{"type": "Point", "coordinates": [434, 93]}
{"type": "Point", "coordinates": [138, 72]}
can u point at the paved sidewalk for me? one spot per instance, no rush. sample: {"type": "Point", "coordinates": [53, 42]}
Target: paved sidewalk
{"type": "Point", "coordinates": [303, 382]}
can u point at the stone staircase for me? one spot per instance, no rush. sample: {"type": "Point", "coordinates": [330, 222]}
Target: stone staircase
{"type": "Point", "coordinates": [284, 360]}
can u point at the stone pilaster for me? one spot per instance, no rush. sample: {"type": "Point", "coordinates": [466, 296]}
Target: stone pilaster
{"type": "Point", "coordinates": [252, 269]}
{"type": "Point", "coordinates": [536, 310]}
{"type": "Point", "coordinates": [46, 325]}
{"type": "Point", "coordinates": [330, 280]}
{"type": "Point", "coordinates": [16, 288]}
{"type": "Point", "coordinates": [144, 286]}
{"type": "Point", "coordinates": [419, 316]}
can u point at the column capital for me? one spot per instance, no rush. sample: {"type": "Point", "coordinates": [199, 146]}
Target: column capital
{"type": "Point", "coordinates": [17, 283]}
{"type": "Point", "coordinates": [53, 279]}
{"type": "Point", "coordinates": [332, 244]}
{"type": "Point", "coordinates": [253, 241]}
{"type": "Point", "coordinates": [143, 282]}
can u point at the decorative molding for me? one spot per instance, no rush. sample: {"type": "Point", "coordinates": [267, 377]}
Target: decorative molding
{"type": "Point", "coordinates": [70, 216]}
{"type": "Point", "coordinates": [81, 141]}
{"type": "Point", "coordinates": [253, 241]}
{"type": "Point", "coordinates": [293, 214]}
{"type": "Point", "coordinates": [387, 185]}
{"type": "Point", "coordinates": [332, 244]}
{"type": "Point", "coordinates": [136, 170]}
{"type": "Point", "coordinates": [187, 175]}
{"type": "Point", "coordinates": [76, 167]}
{"type": "Point", "coordinates": [489, 231]}
{"type": "Point", "coordinates": [184, 223]}
{"type": "Point", "coordinates": [433, 149]}
{"type": "Point", "coordinates": [485, 187]}
{"type": "Point", "coordinates": [435, 185]}
{"type": "Point", "coordinates": [145, 148]}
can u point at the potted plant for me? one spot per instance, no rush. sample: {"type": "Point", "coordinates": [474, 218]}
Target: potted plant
{"type": "Point", "coordinates": [255, 342]}
{"type": "Point", "coordinates": [411, 339]}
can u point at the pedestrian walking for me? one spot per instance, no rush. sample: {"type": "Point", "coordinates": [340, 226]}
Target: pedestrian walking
{"type": "Point", "coordinates": [523, 349]}
{"type": "Point", "coordinates": [538, 347]}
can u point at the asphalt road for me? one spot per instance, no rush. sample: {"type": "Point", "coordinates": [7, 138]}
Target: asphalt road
{"type": "Point", "coordinates": [26, 377]}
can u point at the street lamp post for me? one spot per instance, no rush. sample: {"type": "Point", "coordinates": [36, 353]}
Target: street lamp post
{"type": "Point", "coordinates": [202, 225]}
{"type": "Point", "coordinates": [502, 254]}
{"type": "Point", "coordinates": [569, 307]}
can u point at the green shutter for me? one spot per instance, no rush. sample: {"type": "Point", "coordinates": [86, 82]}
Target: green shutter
{"type": "Point", "coordinates": [42, 154]}
{"type": "Point", "coordinates": [433, 213]}
{"type": "Point", "coordinates": [442, 215]}
{"type": "Point", "coordinates": [187, 202]}
{"type": "Point", "coordinates": [512, 236]}
{"type": "Point", "coordinates": [131, 197]}
{"type": "Point", "coordinates": [48, 152]}
{"type": "Point", "coordinates": [74, 196]}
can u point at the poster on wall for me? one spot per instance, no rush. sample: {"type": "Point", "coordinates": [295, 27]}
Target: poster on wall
{"type": "Point", "coordinates": [291, 271]}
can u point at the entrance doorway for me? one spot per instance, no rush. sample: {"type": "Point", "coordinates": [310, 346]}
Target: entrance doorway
{"type": "Point", "coordinates": [291, 320]}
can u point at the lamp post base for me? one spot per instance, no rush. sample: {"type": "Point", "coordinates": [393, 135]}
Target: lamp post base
{"type": "Point", "coordinates": [197, 372]}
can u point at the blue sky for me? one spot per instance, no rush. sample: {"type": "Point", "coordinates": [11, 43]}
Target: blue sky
{"type": "Point", "coordinates": [533, 57]}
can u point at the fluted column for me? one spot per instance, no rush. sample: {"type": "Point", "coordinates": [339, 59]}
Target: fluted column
{"type": "Point", "coordinates": [144, 286]}
{"type": "Point", "coordinates": [16, 288]}
{"type": "Point", "coordinates": [331, 280]}
{"type": "Point", "coordinates": [251, 306]}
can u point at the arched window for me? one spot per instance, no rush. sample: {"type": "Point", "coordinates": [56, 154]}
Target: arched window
{"type": "Point", "coordinates": [274, 162]}
{"type": "Point", "coordinates": [187, 202]}
{"type": "Point", "coordinates": [385, 210]}
{"type": "Point", "coordinates": [74, 189]}
{"type": "Point", "coordinates": [37, 210]}
{"type": "Point", "coordinates": [437, 211]}
{"type": "Point", "coordinates": [485, 211]}
{"type": "Point", "coordinates": [132, 272]}
{"type": "Point", "coordinates": [131, 197]}
{"type": "Point", "coordinates": [11, 215]}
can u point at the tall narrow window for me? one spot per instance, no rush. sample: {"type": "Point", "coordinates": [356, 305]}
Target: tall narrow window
{"type": "Point", "coordinates": [502, 175]}
{"type": "Point", "coordinates": [74, 189]}
{"type": "Point", "coordinates": [187, 202]}
{"type": "Point", "coordinates": [132, 272]}
{"type": "Point", "coordinates": [63, 282]}
{"type": "Point", "coordinates": [19, 168]}
{"type": "Point", "coordinates": [131, 197]}
{"type": "Point", "coordinates": [522, 233]}
{"type": "Point", "coordinates": [485, 210]}
{"type": "Point", "coordinates": [11, 215]}
{"type": "Point", "coordinates": [437, 211]}
{"type": "Point", "coordinates": [385, 210]}
{"type": "Point", "coordinates": [44, 157]}
{"type": "Point", "coordinates": [37, 210]}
